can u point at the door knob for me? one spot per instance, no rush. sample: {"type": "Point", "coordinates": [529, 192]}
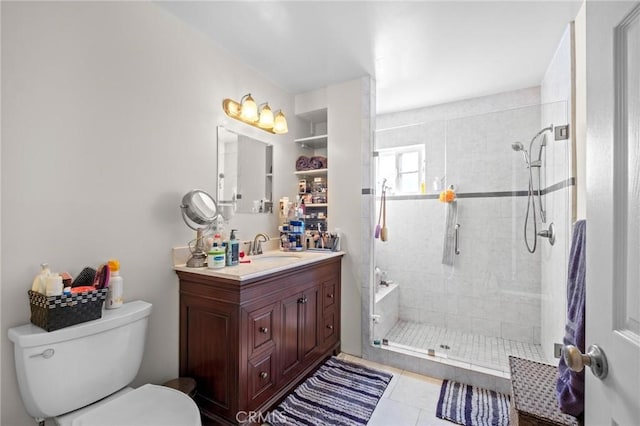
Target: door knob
{"type": "Point", "coordinates": [594, 358]}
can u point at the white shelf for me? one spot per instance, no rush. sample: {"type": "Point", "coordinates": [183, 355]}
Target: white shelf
{"type": "Point", "coordinates": [311, 172]}
{"type": "Point", "coordinates": [317, 205]}
{"type": "Point", "coordinates": [315, 142]}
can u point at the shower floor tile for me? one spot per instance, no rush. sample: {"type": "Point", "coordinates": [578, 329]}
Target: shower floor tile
{"type": "Point", "coordinates": [481, 351]}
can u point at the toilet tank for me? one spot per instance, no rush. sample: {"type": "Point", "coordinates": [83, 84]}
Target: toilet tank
{"type": "Point", "coordinates": [66, 369]}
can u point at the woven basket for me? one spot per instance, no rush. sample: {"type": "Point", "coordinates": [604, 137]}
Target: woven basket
{"type": "Point", "coordinates": [56, 312]}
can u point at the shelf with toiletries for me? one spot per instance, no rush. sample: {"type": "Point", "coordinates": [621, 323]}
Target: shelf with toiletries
{"type": "Point", "coordinates": [314, 172]}
{"type": "Point", "coordinates": [313, 142]}
{"type": "Point", "coordinates": [312, 194]}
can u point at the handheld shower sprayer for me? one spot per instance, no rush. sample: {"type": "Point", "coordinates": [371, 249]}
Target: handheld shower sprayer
{"type": "Point", "coordinates": [531, 202]}
{"type": "Point", "coordinates": [517, 146]}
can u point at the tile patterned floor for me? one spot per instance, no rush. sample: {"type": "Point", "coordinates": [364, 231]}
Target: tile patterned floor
{"type": "Point", "coordinates": [409, 400]}
{"type": "Point", "coordinates": [482, 351]}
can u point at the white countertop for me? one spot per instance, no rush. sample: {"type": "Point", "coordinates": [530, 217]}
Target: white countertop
{"type": "Point", "coordinates": [263, 264]}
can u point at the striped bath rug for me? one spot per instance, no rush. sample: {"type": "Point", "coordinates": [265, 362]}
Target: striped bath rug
{"type": "Point", "coordinates": [338, 393]}
{"type": "Point", "coordinates": [472, 406]}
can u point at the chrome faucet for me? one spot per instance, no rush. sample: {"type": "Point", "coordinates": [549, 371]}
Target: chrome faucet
{"type": "Point", "coordinates": [257, 243]}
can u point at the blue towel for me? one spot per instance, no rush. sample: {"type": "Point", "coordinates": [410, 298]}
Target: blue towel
{"type": "Point", "coordinates": [570, 385]}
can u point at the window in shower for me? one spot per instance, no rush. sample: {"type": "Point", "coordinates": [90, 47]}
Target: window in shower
{"type": "Point", "coordinates": [403, 168]}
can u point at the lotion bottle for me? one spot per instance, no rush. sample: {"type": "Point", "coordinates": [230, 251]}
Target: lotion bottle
{"type": "Point", "coordinates": [233, 248]}
{"type": "Point", "coordinates": [40, 281]}
{"type": "Point", "coordinates": [216, 258]}
{"type": "Point", "coordinates": [115, 291]}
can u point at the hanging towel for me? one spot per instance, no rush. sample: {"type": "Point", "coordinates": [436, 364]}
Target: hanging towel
{"type": "Point", "coordinates": [570, 385]}
{"type": "Point", "coordinates": [450, 233]}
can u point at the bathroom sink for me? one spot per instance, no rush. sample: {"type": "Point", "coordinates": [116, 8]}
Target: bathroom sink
{"type": "Point", "coordinates": [272, 257]}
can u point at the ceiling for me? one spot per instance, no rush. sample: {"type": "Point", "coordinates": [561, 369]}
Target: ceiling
{"type": "Point", "coordinates": [420, 53]}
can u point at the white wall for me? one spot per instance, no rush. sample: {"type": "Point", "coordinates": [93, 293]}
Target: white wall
{"type": "Point", "coordinates": [555, 93]}
{"type": "Point", "coordinates": [349, 129]}
{"type": "Point", "coordinates": [109, 114]}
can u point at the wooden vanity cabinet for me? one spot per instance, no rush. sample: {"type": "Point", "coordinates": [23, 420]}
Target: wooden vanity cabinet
{"type": "Point", "coordinates": [248, 343]}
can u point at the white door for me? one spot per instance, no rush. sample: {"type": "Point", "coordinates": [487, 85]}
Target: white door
{"type": "Point", "coordinates": [613, 209]}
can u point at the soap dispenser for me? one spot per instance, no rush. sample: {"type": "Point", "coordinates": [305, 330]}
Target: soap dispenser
{"type": "Point", "coordinates": [233, 249]}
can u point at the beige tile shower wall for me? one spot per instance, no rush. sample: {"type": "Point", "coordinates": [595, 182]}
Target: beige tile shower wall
{"type": "Point", "coordinates": [494, 288]}
{"type": "Point", "coordinates": [555, 95]}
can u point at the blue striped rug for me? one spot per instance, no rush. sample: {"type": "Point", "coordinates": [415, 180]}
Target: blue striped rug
{"type": "Point", "coordinates": [472, 406]}
{"type": "Point", "coordinates": [338, 393]}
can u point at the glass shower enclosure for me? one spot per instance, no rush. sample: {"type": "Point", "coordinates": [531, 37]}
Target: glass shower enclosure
{"type": "Point", "coordinates": [455, 280]}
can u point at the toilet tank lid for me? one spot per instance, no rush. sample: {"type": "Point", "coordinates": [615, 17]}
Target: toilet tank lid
{"type": "Point", "coordinates": [29, 335]}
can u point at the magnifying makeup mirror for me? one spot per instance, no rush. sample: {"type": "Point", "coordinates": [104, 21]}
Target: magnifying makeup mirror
{"type": "Point", "coordinates": [199, 211]}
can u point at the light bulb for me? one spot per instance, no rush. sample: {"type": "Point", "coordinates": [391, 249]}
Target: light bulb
{"type": "Point", "coordinates": [280, 124]}
{"type": "Point", "coordinates": [249, 109]}
{"type": "Point", "coordinates": [266, 117]}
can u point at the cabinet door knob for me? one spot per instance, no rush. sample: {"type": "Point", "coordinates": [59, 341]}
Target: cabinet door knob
{"type": "Point", "coordinates": [330, 327]}
{"type": "Point", "coordinates": [264, 375]}
{"type": "Point", "coordinates": [330, 296]}
{"type": "Point", "coordinates": [264, 330]}
{"type": "Point", "coordinates": [302, 300]}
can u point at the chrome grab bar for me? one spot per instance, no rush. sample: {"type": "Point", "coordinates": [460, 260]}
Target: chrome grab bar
{"type": "Point", "coordinates": [457, 246]}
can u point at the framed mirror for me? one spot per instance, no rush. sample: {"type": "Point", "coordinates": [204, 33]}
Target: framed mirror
{"type": "Point", "coordinates": [245, 174]}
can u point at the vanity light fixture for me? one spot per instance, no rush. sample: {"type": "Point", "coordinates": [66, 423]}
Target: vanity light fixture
{"type": "Point", "coordinates": [248, 112]}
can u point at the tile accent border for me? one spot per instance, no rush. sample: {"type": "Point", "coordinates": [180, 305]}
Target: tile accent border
{"type": "Point", "coordinates": [490, 194]}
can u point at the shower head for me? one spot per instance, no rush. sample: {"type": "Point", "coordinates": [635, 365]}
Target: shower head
{"type": "Point", "coordinates": [517, 146]}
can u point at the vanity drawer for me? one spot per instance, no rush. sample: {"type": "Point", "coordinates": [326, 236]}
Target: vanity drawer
{"type": "Point", "coordinates": [261, 378]}
{"type": "Point", "coordinates": [261, 328]}
{"type": "Point", "coordinates": [329, 295]}
{"type": "Point", "coordinates": [329, 327]}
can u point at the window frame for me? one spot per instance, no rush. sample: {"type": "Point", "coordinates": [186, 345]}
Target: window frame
{"type": "Point", "coordinates": [397, 153]}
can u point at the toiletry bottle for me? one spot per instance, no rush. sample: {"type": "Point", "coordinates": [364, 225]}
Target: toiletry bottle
{"type": "Point", "coordinates": [115, 292]}
{"type": "Point", "coordinates": [54, 285]}
{"type": "Point", "coordinates": [216, 258]}
{"type": "Point", "coordinates": [40, 281]}
{"type": "Point", "coordinates": [227, 252]}
{"type": "Point", "coordinates": [234, 248]}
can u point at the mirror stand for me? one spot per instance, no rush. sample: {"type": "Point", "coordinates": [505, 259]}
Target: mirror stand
{"type": "Point", "coordinates": [198, 257]}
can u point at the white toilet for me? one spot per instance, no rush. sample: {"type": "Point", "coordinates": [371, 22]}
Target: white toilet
{"type": "Point", "coordinates": [79, 375]}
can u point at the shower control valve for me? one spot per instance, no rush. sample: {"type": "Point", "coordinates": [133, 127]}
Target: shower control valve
{"type": "Point", "coordinates": [549, 233]}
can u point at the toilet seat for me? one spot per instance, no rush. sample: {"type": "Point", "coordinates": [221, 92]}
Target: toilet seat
{"type": "Point", "coordinates": [149, 405]}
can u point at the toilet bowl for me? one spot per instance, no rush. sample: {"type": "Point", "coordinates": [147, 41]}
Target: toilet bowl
{"type": "Point", "coordinates": [79, 375]}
